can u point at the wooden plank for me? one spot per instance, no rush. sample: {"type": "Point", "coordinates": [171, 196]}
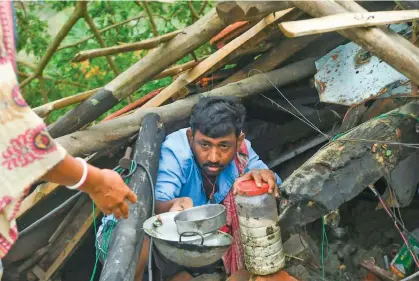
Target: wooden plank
{"type": "Point", "coordinates": [386, 45]}
{"type": "Point", "coordinates": [37, 195]}
{"type": "Point", "coordinates": [71, 245]}
{"type": "Point", "coordinates": [345, 21]}
{"type": "Point", "coordinates": [194, 73]}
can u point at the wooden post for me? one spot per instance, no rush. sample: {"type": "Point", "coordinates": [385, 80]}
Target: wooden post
{"type": "Point", "coordinates": [233, 11]}
{"type": "Point", "coordinates": [127, 237]}
{"type": "Point", "coordinates": [341, 170]}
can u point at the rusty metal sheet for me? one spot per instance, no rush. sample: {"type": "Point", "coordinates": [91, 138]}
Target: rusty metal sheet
{"type": "Point", "coordinates": [349, 75]}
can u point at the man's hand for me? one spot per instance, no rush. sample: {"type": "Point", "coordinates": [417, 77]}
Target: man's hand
{"type": "Point", "coordinates": [109, 192]}
{"type": "Point", "coordinates": [259, 176]}
{"type": "Point", "coordinates": [182, 203]}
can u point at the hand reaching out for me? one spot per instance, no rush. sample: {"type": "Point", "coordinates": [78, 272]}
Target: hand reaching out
{"type": "Point", "coordinates": [259, 176]}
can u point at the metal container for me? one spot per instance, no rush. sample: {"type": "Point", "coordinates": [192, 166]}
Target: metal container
{"type": "Point", "coordinates": [201, 220]}
{"type": "Point", "coordinates": [196, 253]}
{"type": "Point", "coordinates": [191, 251]}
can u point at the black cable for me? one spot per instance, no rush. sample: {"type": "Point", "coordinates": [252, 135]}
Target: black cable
{"type": "Point", "coordinates": [50, 214]}
{"type": "Point", "coordinates": [150, 250]}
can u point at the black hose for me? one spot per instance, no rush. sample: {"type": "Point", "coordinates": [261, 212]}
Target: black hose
{"type": "Point", "coordinates": [50, 214]}
{"type": "Point", "coordinates": [150, 250]}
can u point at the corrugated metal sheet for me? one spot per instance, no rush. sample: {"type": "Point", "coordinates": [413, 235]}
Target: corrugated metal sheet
{"type": "Point", "coordinates": [349, 75]}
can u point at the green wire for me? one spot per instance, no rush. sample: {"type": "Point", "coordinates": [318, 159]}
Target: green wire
{"type": "Point", "coordinates": [324, 242]}
{"type": "Point", "coordinates": [107, 234]}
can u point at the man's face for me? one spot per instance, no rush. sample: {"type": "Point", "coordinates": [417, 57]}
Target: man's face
{"type": "Point", "coordinates": [213, 155]}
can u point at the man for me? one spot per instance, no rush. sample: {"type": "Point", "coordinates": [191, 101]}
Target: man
{"type": "Point", "coordinates": [200, 165]}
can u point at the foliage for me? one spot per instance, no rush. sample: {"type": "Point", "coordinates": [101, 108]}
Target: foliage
{"type": "Point", "coordinates": [67, 78]}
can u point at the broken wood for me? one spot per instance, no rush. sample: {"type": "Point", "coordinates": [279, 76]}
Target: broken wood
{"type": "Point", "coordinates": [196, 72]}
{"type": "Point", "coordinates": [127, 237]}
{"type": "Point", "coordinates": [98, 137]}
{"type": "Point", "coordinates": [399, 53]}
{"type": "Point", "coordinates": [131, 79]}
{"type": "Point", "coordinates": [271, 59]}
{"type": "Point", "coordinates": [37, 195]}
{"type": "Point", "coordinates": [126, 47]}
{"type": "Point", "coordinates": [345, 21]}
{"type": "Point", "coordinates": [46, 109]}
{"type": "Point", "coordinates": [342, 169]}
{"type": "Point", "coordinates": [381, 273]}
{"type": "Point", "coordinates": [234, 11]}
{"type": "Point", "coordinates": [71, 246]}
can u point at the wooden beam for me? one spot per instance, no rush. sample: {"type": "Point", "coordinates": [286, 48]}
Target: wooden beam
{"type": "Point", "coordinates": [271, 59]}
{"type": "Point", "coordinates": [345, 21]}
{"type": "Point", "coordinates": [134, 77]}
{"type": "Point", "coordinates": [46, 109]}
{"type": "Point", "coordinates": [234, 11]}
{"type": "Point", "coordinates": [196, 72]}
{"type": "Point", "coordinates": [343, 168]}
{"type": "Point", "coordinates": [101, 136]}
{"type": "Point", "coordinates": [68, 250]}
{"type": "Point", "coordinates": [37, 195]}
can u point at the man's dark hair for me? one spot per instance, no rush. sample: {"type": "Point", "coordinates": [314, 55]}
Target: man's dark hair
{"type": "Point", "coordinates": [217, 117]}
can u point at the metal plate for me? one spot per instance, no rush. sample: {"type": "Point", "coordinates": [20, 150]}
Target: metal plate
{"type": "Point", "coordinates": [349, 75]}
{"type": "Point", "coordinates": [168, 230]}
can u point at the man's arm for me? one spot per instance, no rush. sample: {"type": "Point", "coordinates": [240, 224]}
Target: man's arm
{"type": "Point", "coordinates": [259, 172]}
{"type": "Point", "coordinates": [170, 178]}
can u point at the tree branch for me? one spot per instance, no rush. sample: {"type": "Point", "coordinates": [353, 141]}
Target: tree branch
{"type": "Point", "coordinates": [150, 17]}
{"type": "Point", "coordinates": [204, 5]}
{"type": "Point", "coordinates": [195, 15]}
{"type": "Point", "coordinates": [47, 108]}
{"type": "Point", "coordinates": [72, 45]}
{"type": "Point", "coordinates": [142, 45]}
{"type": "Point", "coordinates": [75, 16]}
{"type": "Point", "coordinates": [99, 38]}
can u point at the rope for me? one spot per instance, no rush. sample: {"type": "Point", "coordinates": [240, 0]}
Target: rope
{"type": "Point", "coordinates": [108, 234]}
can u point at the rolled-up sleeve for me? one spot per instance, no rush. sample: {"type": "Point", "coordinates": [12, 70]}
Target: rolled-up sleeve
{"type": "Point", "coordinates": [170, 176]}
{"type": "Point", "coordinates": [256, 163]}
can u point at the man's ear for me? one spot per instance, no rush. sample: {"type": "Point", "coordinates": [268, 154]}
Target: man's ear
{"type": "Point", "coordinates": [240, 139]}
{"type": "Point", "coordinates": [190, 135]}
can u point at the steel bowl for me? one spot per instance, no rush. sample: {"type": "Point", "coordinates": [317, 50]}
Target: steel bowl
{"type": "Point", "coordinates": [201, 220]}
{"type": "Point", "coordinates": [196, 253]}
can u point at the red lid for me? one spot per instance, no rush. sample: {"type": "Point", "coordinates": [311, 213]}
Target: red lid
{"type": "Point", "coordinates": [249, 188]}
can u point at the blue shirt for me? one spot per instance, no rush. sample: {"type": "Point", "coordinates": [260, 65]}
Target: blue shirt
{"type": "Point", "coordinates": [180, 176]}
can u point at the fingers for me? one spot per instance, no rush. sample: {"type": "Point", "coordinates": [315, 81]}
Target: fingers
{"type": "Point", "coordinates": [257, 178]}
{"type": "Point", "coordinates": [131, 197]}
{"type": "Point", "coordinates": [117, 213]}
{"type": "Point", "coordinates": [124, 209]}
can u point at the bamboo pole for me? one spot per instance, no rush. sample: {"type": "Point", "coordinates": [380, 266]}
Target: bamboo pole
{"type": "Point", "coordinates": [194, 73]}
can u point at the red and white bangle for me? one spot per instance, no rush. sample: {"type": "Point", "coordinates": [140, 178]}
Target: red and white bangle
{"type": "Point", "coordinates": [83, 177]}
